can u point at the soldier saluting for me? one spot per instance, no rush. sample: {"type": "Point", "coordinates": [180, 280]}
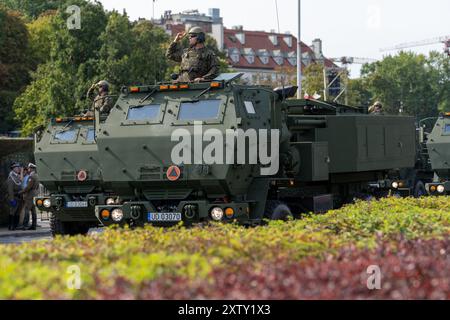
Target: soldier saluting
{"type": "Point", "coordinates": [198, 63]}
{"type": "Point", "coordinates": [102, 102]}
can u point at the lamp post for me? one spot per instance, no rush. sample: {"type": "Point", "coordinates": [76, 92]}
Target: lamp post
{"type": "Point", "coordinates": [299, 54]}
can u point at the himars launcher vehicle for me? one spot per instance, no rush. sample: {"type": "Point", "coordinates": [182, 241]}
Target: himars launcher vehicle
{"type": "Point", "coordinates": [328, 155]}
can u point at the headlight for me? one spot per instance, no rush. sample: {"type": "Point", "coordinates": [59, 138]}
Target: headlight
{"type": "Point", "coordinates": [440, 188]}
{"type": "Point", "coordinates": [217, 214]}
{"type": "Point", "coordinates": [117, 215]}
{"type": "Point", "coordinates": [395, 185]}
{"type": "Point", "coordinates": [110, 201]}
{"type": "Point", "coordinates": [47, 203]}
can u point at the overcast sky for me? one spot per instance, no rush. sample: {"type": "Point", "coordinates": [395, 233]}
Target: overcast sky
{"type": "Point", "coordinates": [357, 28]}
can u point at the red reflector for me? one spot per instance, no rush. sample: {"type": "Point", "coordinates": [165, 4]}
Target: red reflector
{"type": "Point", "coordinates": [82, 175]}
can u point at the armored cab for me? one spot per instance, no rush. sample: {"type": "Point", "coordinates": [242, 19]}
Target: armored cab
{"type": "Point", "coordinates": [228, 152]}
{"type": "Point", "coordinates": [68, 165]}
{"type": "Point", "coordinates": [438, 146]}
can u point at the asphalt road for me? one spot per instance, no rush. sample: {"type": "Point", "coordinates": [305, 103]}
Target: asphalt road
{"type": "Point", "coordinates": [16, 239]}
{"type": "Point", "coordinates": [42, 236]}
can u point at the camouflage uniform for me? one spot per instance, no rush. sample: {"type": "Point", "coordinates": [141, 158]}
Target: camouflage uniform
{"type": "Point", "coordinates": [195, 63]}
{"type": "Point", "coordinates": [104, 103]}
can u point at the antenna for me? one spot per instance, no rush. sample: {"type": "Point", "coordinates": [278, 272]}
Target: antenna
{"type": "Point", "coordinates": [278, 17]}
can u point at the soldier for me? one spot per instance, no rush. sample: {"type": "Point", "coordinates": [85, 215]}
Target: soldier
{"type": "Point", "coordinates": [30, 191]}
{"type": "Point", "coordinates": [376, 108]}
{"type": "Point", "coordinates": [13, 184]}
{"type": "Point", "coordinates": [102, 102]}
{"type": "Point", "coordinates": [198, 63]}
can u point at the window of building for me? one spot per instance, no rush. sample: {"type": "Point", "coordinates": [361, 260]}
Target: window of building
{"type": "Point", "coordinates": [241, 37]}
{"type": "Point", "coordinates": [288, 40]}
{"type": "Point", "coordinates": [274, 39]}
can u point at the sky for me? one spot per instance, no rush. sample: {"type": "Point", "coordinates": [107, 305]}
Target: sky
{"type": "Point", "coordinates": [357, 28]}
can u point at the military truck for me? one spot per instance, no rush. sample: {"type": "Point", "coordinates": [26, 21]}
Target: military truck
{"type": "Point", "coordinates": [438, 147]}
{"type": "Point", "coordinates": [328, 153]}
{"type": "Point", "coordinates": [68, 164]}
{"type": "Point", "coordinates": [120, 168]}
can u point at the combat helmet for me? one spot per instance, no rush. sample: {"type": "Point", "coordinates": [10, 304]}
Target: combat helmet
{"type": "Point", "coordinates": [201, 37]}
{"type": "Point", "coordinates": [103, 84]}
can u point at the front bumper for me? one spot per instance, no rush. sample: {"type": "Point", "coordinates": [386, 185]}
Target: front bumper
{"type": "Point", "coordinates": [435, 188]}
{"type": "Point", "coordinates": [59, 205]}
{"type": "Point", "coordinates": [138, 213]}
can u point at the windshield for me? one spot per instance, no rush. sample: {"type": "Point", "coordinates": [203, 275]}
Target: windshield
{"type": "Point", "coordinates": [201, 110]}
{"type": "Point", "coordinates": [148, 112]}
{"type": "Point", "coordinates": [69, 135]}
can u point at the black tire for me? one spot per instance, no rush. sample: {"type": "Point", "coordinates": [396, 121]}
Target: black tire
{"type": "Point", "coordinates": [419, 189]}
{"type": "Point", "coordinates": [59, 227]}
{"type": "Point", "coordinates": [277, 210]}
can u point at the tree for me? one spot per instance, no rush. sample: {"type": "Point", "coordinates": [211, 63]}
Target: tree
{"type": "Point", "coordinates": [33, 8]}
{"type": "Point", "coordinates": [60, 83]}
{"type": "Point", "coordinates": [40, 38]}
{"type": "Point", "coordinates": [409, 81]}
{"type": "Point", "coordinates": [13, 63]}
{"type": "Point", "coordinates": [313, 79]}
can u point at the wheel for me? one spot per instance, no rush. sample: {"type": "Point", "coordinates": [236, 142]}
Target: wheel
{"type": "Point", "coordinates": [277, 210]}
{"type": "Point", "coordinates": [419, 189]}
{"type": "Point", "coordinates": [59, 227]}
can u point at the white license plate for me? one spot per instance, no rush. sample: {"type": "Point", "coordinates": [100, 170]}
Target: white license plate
{"type": "Point", "coordinates": [77, 204]}
{"type": "Point", "coordinates": [164, 217]}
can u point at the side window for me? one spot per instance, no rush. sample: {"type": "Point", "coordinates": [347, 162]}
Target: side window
{"type": "Point", "coordinates": [144, 113]}
{"type": "Point", "coordinates": [66, 136]}
{"type": "Point", "coordinates": [447, 128]}
{"type": "Point", "coordinates": [201, 110]}
{"type": "Point", "coordinates": [90, 135]}
{"type": "Point", "coordinates": [249, 107]}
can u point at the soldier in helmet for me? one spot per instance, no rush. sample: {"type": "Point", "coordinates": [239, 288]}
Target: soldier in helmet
{"type": "Point", "coordinates": [102, 101]}
{"type": "Point", "coordinates": [197, 62]}
{"type": "Point", "coordinates": [376, 108]}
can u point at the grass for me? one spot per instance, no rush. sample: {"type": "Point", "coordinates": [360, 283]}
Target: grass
{"type": "Point", "coordinates": [202, 262]}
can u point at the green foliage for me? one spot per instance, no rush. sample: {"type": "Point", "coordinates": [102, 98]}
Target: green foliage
{"type": "Point", "coordinates": [418, 83]}
{"type": "Point", "coordinates": [33, 8]}
{"type": "Point", "coordinates": [313, 79]}
{"type": "Point", "coordinates": [108, 46]}
{"type": "Point", "coordinates": [39, 270]}
{"type": "Point", "coordinates": [13, 62]}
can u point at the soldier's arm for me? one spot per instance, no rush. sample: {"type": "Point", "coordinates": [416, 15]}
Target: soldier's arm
{"type": "Point", "coordinates": [214, 68]}
{"type": "Point", "coordinates": [175, 52]}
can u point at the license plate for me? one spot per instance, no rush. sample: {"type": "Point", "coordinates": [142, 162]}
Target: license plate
{"type": "Point", "coordinates": [164, 217]}
{"type": "Point", "coordinates": [77, 204]}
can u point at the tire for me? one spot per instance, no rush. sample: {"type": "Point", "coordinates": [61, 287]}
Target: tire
{"type": "Point", "coordinates": [277, 210]}
{"type": "Point", "coordinates": [59, 227]}
{"type": "Point", "coordinates": [419, 189]}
